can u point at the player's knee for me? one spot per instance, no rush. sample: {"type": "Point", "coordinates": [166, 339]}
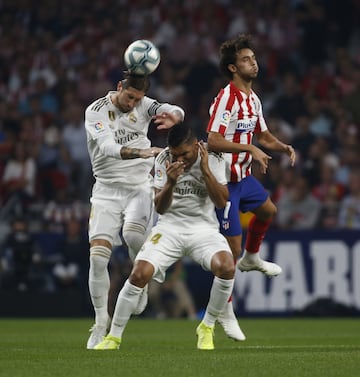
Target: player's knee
{"type": "Point", "coordinates": [222, 265]}
{"type": "Point", "coordinates": [141, 273]}
{"type": "Point", "coordinates": [267, 211]}
{"type": "Point", "coordinates": [134, 236]}
{"type": "Point", "coordinates": [271, 211]}
{"type": "Point", "coordinates": [99, 259]}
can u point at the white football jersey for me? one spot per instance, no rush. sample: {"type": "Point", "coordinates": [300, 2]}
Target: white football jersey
{"type": "Point", "coordinates": [106, 126]}
{"type": "Point", "coordinates": [191, 207]}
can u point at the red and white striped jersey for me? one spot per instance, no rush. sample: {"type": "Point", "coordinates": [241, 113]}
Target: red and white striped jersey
{"type": "Point", "coordinates": [237, 117]}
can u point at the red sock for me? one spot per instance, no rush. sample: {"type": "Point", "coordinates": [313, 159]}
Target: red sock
{"type": "Point", "coordinates": [256, 233]}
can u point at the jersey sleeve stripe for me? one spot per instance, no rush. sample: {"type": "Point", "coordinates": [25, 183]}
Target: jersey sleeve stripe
{"type": "Point", "coordinates": [163, 156]}
{"type": "Point", "coordinates": [99, 104]}
{"type": "Point", "coordinates": [215, 107]}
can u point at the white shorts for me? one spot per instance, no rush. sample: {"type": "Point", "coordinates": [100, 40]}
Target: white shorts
{"type": "Point", "coordinates": [165, 246]}
{"type": "Point", "coordinates": [112, 207]}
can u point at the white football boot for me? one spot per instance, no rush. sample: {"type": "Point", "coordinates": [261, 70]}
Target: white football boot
{"type": "Point", "coordinates": [257, 264]}
{"type": "Point", "coordinates": [97, 335]}
{"type": "Point", "coordinates": [230, 324]}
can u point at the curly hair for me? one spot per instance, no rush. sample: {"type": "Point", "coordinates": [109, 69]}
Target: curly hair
{"type": "Point", "coordinates": [229, 49]}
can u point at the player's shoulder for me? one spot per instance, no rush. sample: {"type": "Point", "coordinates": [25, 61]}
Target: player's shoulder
{"type": "Point", "coordinates": [217, 155]}
{"type": "Point", "coordinates": [150, 105]}
{"type": "Point", "coordinates": [99, 104]}
{"type": "Point", "coordinates": [163, 156]}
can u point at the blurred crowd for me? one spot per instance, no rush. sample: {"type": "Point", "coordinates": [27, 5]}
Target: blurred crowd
{"type": "Point", "coordinates": [56, 58]}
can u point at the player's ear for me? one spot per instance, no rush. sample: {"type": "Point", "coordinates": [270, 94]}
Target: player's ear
{"type": "Point", "coordinates": [119, 86]}
{"type": "Point", "coordinates": [232, 68]}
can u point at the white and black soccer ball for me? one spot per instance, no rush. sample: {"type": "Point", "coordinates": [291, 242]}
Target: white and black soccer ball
{"type": "Point", "coordinates": [142, 57]}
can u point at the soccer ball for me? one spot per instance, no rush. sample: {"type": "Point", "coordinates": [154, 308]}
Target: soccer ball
{"type": "Point", "coordinates": [142, 57]}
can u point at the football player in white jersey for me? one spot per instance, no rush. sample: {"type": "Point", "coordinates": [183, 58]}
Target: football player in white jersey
{"type": "Point", "coordinates": [188, 182]}
{"type": "Point", "coordinates": [122, 197]}
{"type": "Point", "coordinates": [235, 117]}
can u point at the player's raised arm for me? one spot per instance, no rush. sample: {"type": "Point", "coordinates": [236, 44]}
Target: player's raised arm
{"type": "Point", "coordinates": [163, 197]}
{"type": "Point", "coordinates": [218, 192]}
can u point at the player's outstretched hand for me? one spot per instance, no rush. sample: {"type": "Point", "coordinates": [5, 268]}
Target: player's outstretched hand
{"type": "Point", "coordinates": [165, 120]}
{"type": "Point", "coordinates": [262, 158]}
{"type": "Point", "coordinates": [174, 170]}
{"type": "Point", "coordinates": [204, 164]}
{"type": "Point", "coordinates": [291, 153]}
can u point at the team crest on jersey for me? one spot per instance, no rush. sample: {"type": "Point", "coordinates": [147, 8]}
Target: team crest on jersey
{"type": "Point", "coordinates": [132, 118]}
{"type": "Point", "coordinates": [225, 224]}
{"type": "Point", "coordinates": [225, 116]}
{"type": "Point", "coordinates": [111, 115]}
{"type": "Point", "coordinates": [159, 173]}
{"type": "Point", "coordinates": [99, 127]}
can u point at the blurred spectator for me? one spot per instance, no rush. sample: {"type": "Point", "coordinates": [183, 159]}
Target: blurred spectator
{"type": "Point", "coordinates": [91, 83]}
{"type": "Point", "coordinates": [168, 89]}
{"type": "Point", "coordinates": [290, 104]}
{"type": "Point", "coordinates": [349, 217]}
{"type": "Point", "coordinates": [349, 155]}
{"type": "Point", "coordinates": [329, 192]}
{"type": "Point", "coordinates": [311, 166]}
{"type": "Point", "coordinates": [183, 44]}
{"type": "Point", "coordinates": [320, 122]}
{"type": "Point", "coordinates": [284, 180]}
{"type": "Point", "coordinates": [18, 181]}
{"type": "Point", "coordinates": [46, 101]}
{"type": "Point", "coordinates": [62, 209]}
{"type": "Point", "coordinates": [172, 299]}
{"type": "Point", "coordinates": [298, 209]}
{"type": "Point", "coordinates": [199, 76]}
{"type": "Point", "coordinates": [311, 19]}
{"type": "Point", "coordinates": [9, 127]}
{"type": "Point", "coordinates": [352, 99]}
{"type": "Point", "coordinates": [317, 82]}
{"type": "Point", "coordinates": [74, 140]}
{"type": "Point", "coordinates": [53, 163]}
{"type": "Point", "coordinates": [19, 258]}
{"type": "Point", "coordinates": [71, 270]}
{"type": "Point", "coordinates": [303, 138]}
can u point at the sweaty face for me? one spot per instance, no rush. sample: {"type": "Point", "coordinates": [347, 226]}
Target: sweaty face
{"type": "Point", "coordinates": [246, 64]}
{"type": "Point", "coordinates": [186, 153]}
{"type": "Point", "coordinates": [127, 99]}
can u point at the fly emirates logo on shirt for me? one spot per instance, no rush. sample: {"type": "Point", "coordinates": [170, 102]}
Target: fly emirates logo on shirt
{"type": "Point", "coordinates": [188, 187]}
{"type": "Point", "coordinates": [246, 125]}
{"type": "Point", "coordinates": [123, 136]}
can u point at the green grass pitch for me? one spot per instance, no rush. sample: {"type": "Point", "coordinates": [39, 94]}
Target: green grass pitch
{"type": "Point", "coordinates": [274, 347]}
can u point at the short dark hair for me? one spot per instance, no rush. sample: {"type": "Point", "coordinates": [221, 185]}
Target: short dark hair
{"type": "Point", "coordinates": [229, 49]}
{"type": "Point", "coordinates": [179, 134]}
{"type": "Point", "coordinates": [138, 82]}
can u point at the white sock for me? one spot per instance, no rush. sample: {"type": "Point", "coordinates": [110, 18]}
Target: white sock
{"type": "Point", "coordinates": [99, 283]}
{"type": "Point", "coordinates": [251, 257]}
{"type": "Point", "coordinates": [219, 295]}
{"type": "Point", "coordinates": [126, 303]}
